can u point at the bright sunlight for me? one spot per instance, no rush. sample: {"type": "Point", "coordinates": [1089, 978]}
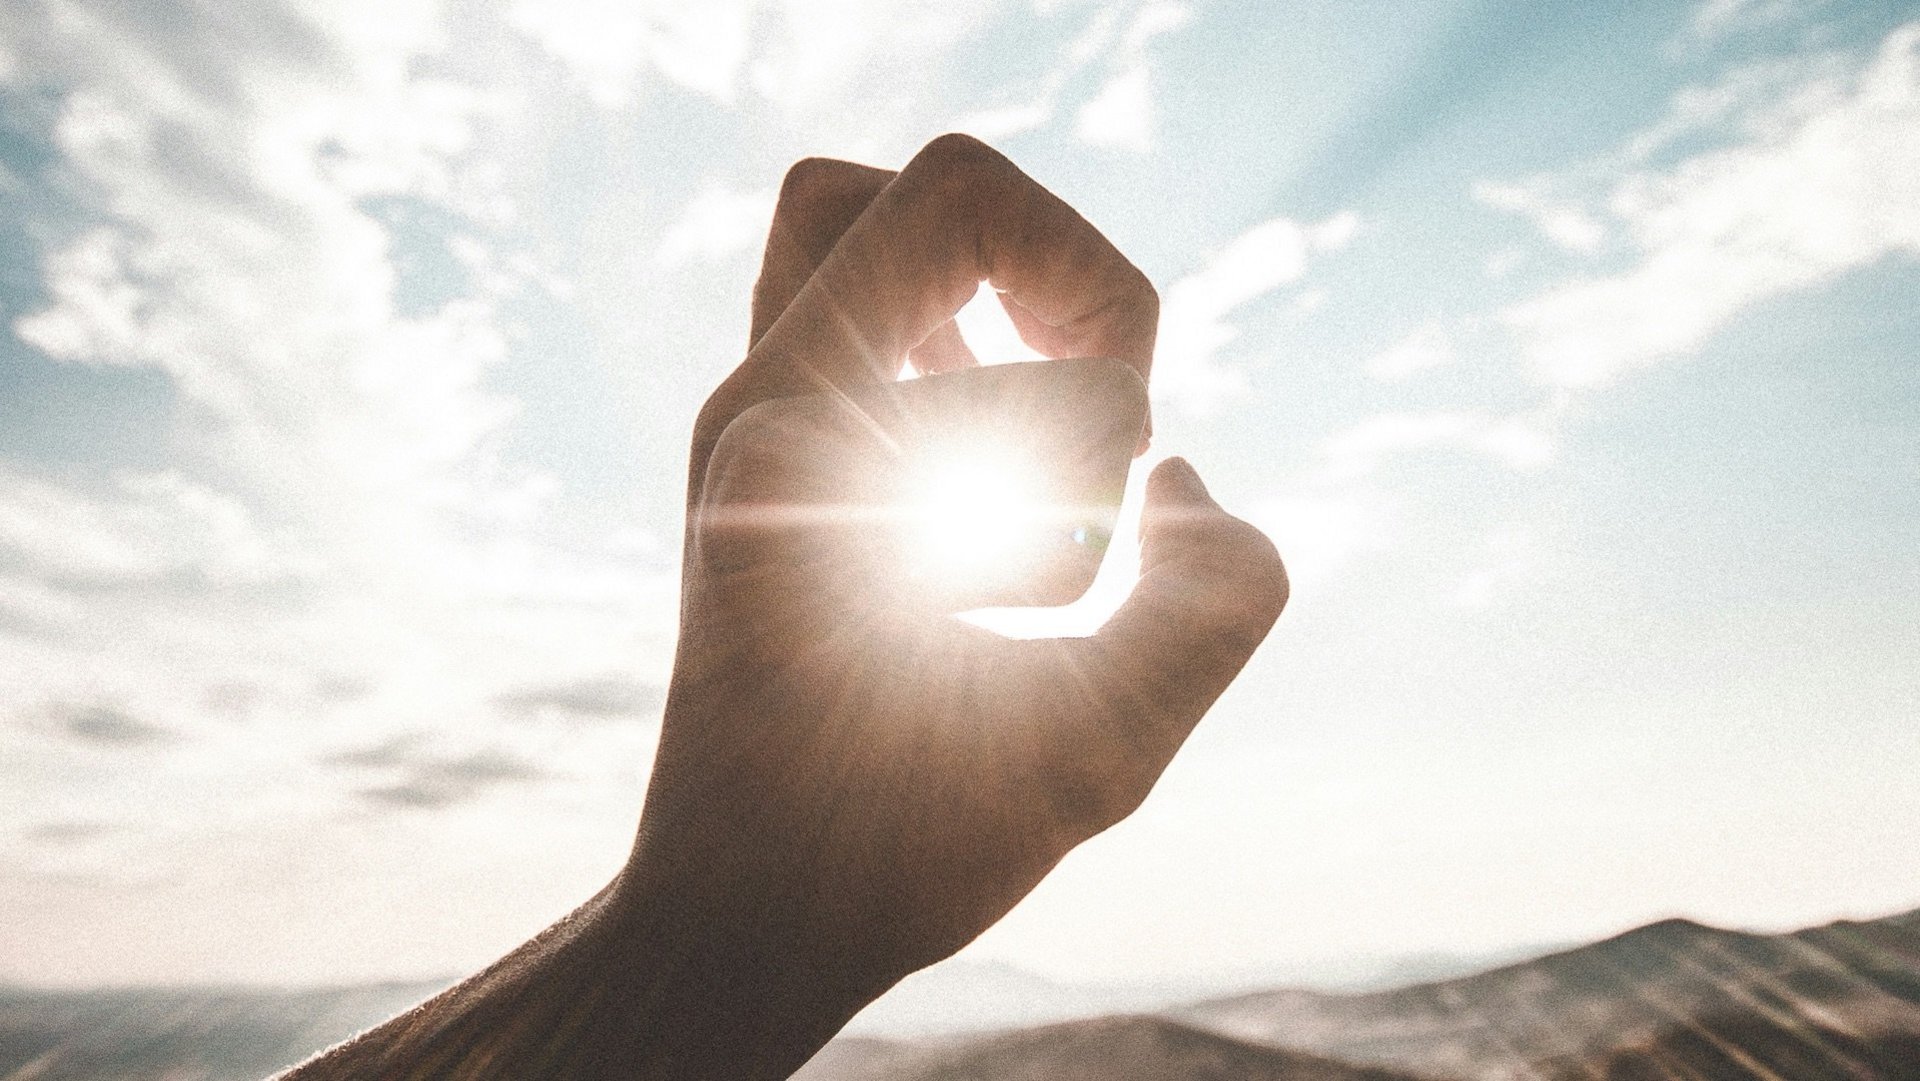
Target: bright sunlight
{"type": "Point", "coordinates": [975, 518]}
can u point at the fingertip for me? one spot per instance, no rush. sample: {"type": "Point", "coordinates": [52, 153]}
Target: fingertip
{"type": "Point", "coordinates": [942, 350]}
{"type": "Point", "coordinates": [1175, 480]}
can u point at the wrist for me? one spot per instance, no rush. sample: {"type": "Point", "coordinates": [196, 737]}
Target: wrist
{"type": "Point", "coordinates": [731, 981]}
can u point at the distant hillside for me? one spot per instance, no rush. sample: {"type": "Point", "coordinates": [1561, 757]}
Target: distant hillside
{"type": "Point", "coordinates": [1673, 1000]}
{"type": "Point", "coordinates": [1590, 1008]}
{"type": "Point", "coordinates": [182, 1035]}
{"type": "Point", "coordinates": [1749, 1046]}
{"type": "Point", "coordinates": [1134, 1048]}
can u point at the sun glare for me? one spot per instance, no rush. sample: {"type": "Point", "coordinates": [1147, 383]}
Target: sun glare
{"type": "Point", "coordinates": [982, 514]}
{"type": "Point", "coordinates": [974, 516]}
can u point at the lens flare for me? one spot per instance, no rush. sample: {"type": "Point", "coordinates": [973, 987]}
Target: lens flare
{"type": "Point", "coordinates": [974, 514]}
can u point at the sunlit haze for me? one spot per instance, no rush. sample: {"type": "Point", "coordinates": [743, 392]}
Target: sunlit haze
{"type": "Point", "coordinates": [349, 352]}
{"type": "Point", "coordinates": [972, 510]}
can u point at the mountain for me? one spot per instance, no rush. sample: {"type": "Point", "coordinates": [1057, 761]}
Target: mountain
{"type": "Point", "coordinates": [1130, 1048]}
{"type": "Point", "coordinates": [973, 996]}
{"type": "Point", "coordinates": [1588, 1012]}
{"type": "Point", "coordinates": [182, 1035]}
{"type": "Point", "coordinates": [961, 995]}
{"type": "Point", "coordinates": [1749, 1047]}
{"type": "Point", "coordinates": [1674, 999]}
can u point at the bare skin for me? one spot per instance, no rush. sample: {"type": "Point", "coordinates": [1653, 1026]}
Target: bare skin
{"type": "Point", "coordinates": [847, 789]}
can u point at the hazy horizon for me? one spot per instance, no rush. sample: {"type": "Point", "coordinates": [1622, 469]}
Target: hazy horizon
{"type": "Point", "coordinates": [348, 353]}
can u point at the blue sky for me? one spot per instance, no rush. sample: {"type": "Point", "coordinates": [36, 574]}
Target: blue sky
{"type": "Point", "coordinates": [349, 352]}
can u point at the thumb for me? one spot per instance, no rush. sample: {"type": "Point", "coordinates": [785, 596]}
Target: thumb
{"type": "Point", "coordinates": [1196, 556]}
{"type": "Point", "coordinates": [1211, 586]}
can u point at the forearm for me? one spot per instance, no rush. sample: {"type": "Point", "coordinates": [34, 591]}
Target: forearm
{"type": "Point", "coordinates": [625, 987]}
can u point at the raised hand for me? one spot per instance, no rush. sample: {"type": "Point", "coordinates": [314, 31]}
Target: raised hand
{"type": "Point", "coordinates": [850, 787]}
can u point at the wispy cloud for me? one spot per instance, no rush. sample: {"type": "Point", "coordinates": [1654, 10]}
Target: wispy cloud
{"type": "Point", "coordinates": [1820, 192]}
{"type": "Point", "coordinates": [106, 726]}
{"type": "Point", "coordinates": [592, 698]}
{"type": "Point", "coordinates": [1565, 223]}
{"type": "Point", "coordinates": [796, 56]}
{"type": "Point", "coordinates": [1196, 316]}
{"type": "Point", "coordinates": [1722, 18]}
{"type": "Point", "coordinates": [613, 48]}
{"type": "Point", "coordinates": [1521, 443]}
{"type": "Point", "coordinates": [720, 222]}
{"type": "Point", "coordinates": [1121, 114]}
{"type": "Point", "coordinates": [1429, 345]}
{"type": "Point", "coordinates": [415, 777]}
{"type": "Point", "coordinates": [1039, 106]}
{"type": "Point", "coordinates": [1506, 559]}
{"type": "Point", "coordinates": [1319, 532]}
{"type": "Point", "coordinates": [144, 530]}
{"type": "Point", "coordinates": [334, 546]}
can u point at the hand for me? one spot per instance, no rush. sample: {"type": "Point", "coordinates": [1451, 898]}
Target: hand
{"type": "Point", "coordinates": [846, 789]}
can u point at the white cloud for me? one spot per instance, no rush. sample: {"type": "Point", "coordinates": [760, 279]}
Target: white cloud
{"type": "Point", "coordinates": [991, 125]}
{"type": "Point", "coordinates": [805, 58]}
{"type": "Point", "coordinates": [720, 222]}
{"type": "Point", "coordinates": [336, 509]}
{"type": "Point", "coordinates": [1086, 47]}
{"type": "Point", "coordinates": [1507, 559]}
{"type": "Point", "coordinates": [1567, 225]}
{"type": "Point", "coordinates": [1822, 192]}
{"type": "Point", "coordinates": [1520, 443]}
{"type": "Point", "coordinates": [1121, 114]}
{"type": "Point", "coordinates": [611, 46]}
{"type": "Point", "coordinates": [1753, 101]}
{"type": "Point", "coordinates": [1429, 346]}
{"type": "Point", "coordinates": [1318, 534]}
{"type": "Point", "coordinates": [1194, 317]}
{"type": "Point", "coordinates": [1721, 18]}
{"type": "Point", "coordinates": [149, 527]}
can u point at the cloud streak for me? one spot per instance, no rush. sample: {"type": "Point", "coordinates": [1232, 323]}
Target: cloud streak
{"type": "Point", "coordinates": [1818, 194]}
{"type": "Point", "coordinates": [1121, 115]}
{"type": "Point", "coordinates": [413, 775]}
{"type": "Point", "coordinates": [106, 726]}
{"type": "Point", "coordinates": [592, 698]}
{"type": "Point", "coordinates": [1196, 323]}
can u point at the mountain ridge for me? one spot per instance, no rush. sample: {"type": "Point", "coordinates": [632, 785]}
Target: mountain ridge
{"type": "Point", "coordinates": [1127, 1047]}
{"type": "Point", "coordinates": [1579, 1005]}
{"type": "Point", "coordinates": [1674, 998]}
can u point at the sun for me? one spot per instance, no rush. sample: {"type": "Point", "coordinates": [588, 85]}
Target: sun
{"type": "Point", "coordinates": [979, 515]}
{"type": "Point", "coordinates": [974, 513]}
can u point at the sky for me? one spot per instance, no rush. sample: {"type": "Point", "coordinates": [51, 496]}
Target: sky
{"type": "Point", "coordinates": [349, 351]}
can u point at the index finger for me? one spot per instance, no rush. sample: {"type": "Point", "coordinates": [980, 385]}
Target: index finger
{"type": "Point", "coordinates": [820, 198]}
{"type": "Point", "coordinates": [960, 213]}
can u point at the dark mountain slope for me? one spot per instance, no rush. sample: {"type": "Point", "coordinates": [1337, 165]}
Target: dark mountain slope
{"type": "Point", "coordinates": [182, 1035]}
{"type": "Point", "coordinates": [1583, 1005]}
{"type": "Point", "coordinates": [1132, 1048]}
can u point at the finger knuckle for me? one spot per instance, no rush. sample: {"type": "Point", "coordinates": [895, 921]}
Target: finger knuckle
{"type": "Point", "coordinates": [955, 165]}
{"type": "Point", "coordinates": [956, 149]}
{"type": "Point", "coordinates": [1147, 298]}
{"type": "Point", "coordinates": [745, 454]}
{"type": "Point", "coordinates": [807, 178]}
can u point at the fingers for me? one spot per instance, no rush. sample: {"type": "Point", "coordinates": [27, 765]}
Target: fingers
{"type": "Point", "coordinates": [819, 199]}
{"type": "Point", "coordinates": [944, 350]}
{"type": "Point", "coordinates": [1210, 589]}
{"type": "Point", "coordinates": [957, 214]}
